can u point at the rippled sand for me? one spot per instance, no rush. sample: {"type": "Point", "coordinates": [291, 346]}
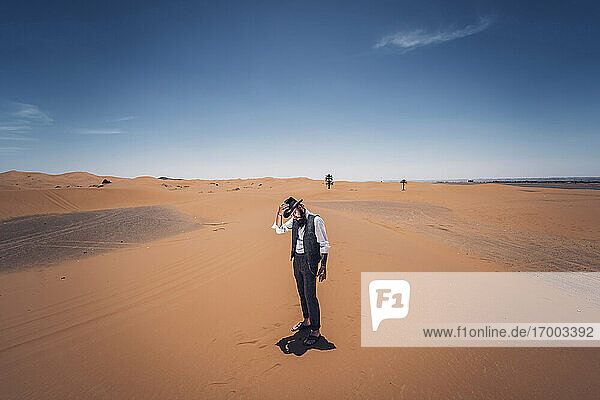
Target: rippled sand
{"type": "Point", "coordinates": [519, 250]}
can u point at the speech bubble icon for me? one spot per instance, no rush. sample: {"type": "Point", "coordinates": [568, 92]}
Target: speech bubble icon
{"type": "Point", "coordinates": [389, 299]}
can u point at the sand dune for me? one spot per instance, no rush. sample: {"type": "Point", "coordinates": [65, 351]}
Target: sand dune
{"type": "Point", "coordinates": [206, 313]}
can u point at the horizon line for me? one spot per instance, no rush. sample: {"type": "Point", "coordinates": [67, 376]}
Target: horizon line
{"type": "Point", "coordinates": [424, 180]}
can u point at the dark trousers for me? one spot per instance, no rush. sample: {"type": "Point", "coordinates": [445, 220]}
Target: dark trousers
{"type": "Point", "coordinates": [306, 281]}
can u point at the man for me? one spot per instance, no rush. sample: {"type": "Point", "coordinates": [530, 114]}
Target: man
{"type": "Point", "coordinates": [309, 247]}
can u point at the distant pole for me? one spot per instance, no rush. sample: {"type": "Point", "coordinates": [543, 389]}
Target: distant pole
{"type": "Point", "coordinates": [403, 181]}
{"type": "Point", "coordinates": [329, 180]}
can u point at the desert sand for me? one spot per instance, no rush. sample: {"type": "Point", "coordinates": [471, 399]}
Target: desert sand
{"type": "Point", "coordinates": [200, 305]}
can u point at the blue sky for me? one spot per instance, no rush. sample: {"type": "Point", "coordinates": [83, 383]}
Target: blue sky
{"type": "Point", "coordinates": [364, 90]}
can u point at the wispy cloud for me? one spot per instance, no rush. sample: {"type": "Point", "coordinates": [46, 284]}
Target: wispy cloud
{"type": "Point", "coordinates": [410, 40]}
{"type": "Point", "coordinates": [18, 137]}
{"type": "Point", "coordinates": [18, 121]}
{"type": "Point", "coordinates": [98, 131]}
{"type": "Point", "coordinates": [10, 149]}
{"type": "Point", "coordinates": [30, 114]}
{"type": "Point", "coordinates": [9, 127]}
{"type": "Point", "coordinates": [127, 118]}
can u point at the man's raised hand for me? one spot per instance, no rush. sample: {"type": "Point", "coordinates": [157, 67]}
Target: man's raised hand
{"type": "Point", "coordinates": [283, 207]}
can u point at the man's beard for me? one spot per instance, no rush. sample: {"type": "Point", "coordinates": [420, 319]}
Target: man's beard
{"type": "Point", "coordinates": [302, 220]}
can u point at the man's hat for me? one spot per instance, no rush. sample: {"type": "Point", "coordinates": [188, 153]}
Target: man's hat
{"type": "Point", "coordinates": [292, 204]}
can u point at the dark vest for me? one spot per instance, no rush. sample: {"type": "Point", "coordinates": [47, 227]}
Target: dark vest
{"type": "Point", "coordinates": [312, 249]}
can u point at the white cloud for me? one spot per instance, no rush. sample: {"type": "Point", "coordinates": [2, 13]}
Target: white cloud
{"type": "Point", "coordinates": [30, 114]}
{"type": "Point", "coordinates": [10, 149]}
{"type": "Point", "coordinates": [19, 120]}
{"type": "Point", "coordinates": [127, 118]}
{"type": "Point", "coordinates": [8, 127]}
{"type": "Point", "coordinates": [407, 41]}
{"type": "Point", "coordinates": [98, 131]}
{"type": "Point", "coordinates": [17, 137]}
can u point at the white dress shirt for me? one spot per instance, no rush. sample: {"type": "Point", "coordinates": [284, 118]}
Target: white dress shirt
{"type": "Point", "coordinates": [319, 232]}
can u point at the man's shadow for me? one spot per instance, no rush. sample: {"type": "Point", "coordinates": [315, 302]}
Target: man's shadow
{"type": "Point", "coordinates": [293, 344]}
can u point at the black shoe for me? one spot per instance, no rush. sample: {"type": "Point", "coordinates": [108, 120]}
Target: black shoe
{"type": "Point", "coordinates": [299, 326]}
{"type": "Point", "coordinates": [311, 339]}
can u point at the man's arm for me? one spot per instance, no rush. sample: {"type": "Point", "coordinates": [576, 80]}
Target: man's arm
{"type": "Point", "coordinates": [279, 225]}
{"type": "Point", "coordinates": [279, 217]}
{"type": "Point", "coordinates": [321, 234]}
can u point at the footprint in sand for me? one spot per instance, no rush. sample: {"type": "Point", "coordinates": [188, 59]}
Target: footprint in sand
{"type": "Point", "coordinates": [224, 383]}
{"type": "Point", "coordinates": [271, 369]}
{"type": "Point", "coordinates": [254, 341]}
